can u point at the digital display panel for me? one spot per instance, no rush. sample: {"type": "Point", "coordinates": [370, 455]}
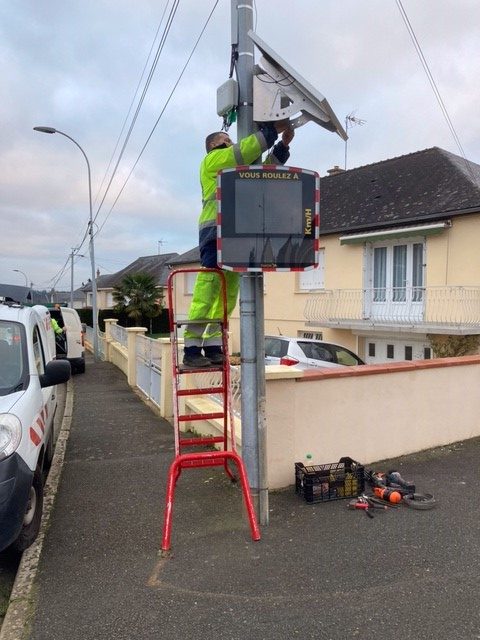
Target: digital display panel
{"type": "Point", "coordinates": [267, 218]}
{"type": "Point", "coordinates": [268, 207]}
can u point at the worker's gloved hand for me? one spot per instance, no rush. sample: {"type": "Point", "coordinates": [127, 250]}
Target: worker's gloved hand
{"type": "Point", "coordinates": [287, 135]}
{"type": "Point", "coordinates": [270, 132]}
{"type": "Point", "coordinates": [282, 125]}
{"type": "Point", "coordinates": [280, 153]}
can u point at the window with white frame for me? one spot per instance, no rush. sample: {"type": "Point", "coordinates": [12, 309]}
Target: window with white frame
{"type": "Point", "coordinates": [190, 277]}
{"type": "Point", "coordinates": [314, 278]}
{"type": "Point", "coordinates": [397, 272]}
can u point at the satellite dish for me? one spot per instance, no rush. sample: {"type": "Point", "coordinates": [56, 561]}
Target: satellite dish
{"type": "Point", "coordinates": [280, 92]}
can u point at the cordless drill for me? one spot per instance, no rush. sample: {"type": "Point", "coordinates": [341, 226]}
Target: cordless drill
{"type": "Point", "coordinates": [395, 481]}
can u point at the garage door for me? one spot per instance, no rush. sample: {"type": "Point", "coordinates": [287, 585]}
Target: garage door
{"type": "Point", "coordinates": [379, 350]}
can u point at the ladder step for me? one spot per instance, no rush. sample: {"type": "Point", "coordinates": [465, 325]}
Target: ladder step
{"type": "Point", "coordinates": [201, 416]}
{"type": "Point", "coordinates": [204, 391]}
{"type": "Point", "coordinates": [204, 462]}
{"type": "Point", "coordinates": [197, 442]}
{"type": "Point", "coordinates": [181, 368]}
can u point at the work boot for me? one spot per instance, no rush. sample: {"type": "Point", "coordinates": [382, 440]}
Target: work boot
{"type": "Point", "coordinates": [192, 357]}
{"type": "Point", "coordinates": [214, 354]}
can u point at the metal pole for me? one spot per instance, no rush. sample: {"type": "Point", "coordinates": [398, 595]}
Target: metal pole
{"type": "Point", "coordinates": [251, 291]}
{"type": "Point", "coordinates": [90, 231]}
{"type": "Point", "coordinates": [26, 284]}
{"type": "Point", "coordinates": [71, 278]}
{"type": "Point", "coordinates": [24, 275]}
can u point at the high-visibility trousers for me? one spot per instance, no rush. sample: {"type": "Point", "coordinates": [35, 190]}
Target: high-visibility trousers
{"type": "Point", "coordinates": [207, 303]}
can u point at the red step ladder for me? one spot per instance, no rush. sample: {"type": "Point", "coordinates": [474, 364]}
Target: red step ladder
{"type": "Point", "coordinates": [184, 457]}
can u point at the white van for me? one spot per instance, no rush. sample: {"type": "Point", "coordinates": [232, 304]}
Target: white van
{"type": "Point", "coordinates": [29, 374]}
{"type": "Point", "coordinates": [71, 345]}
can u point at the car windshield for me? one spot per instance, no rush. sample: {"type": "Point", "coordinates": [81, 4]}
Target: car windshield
{"type": "Point", "coordinates": [344, 356]}
{"type": "Point", "coordinates": [316, 351]}
{"type": "Point", "coordinates": [12, 364]}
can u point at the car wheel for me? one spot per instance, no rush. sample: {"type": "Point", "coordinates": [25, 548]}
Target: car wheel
{"type": "Point", "coordinates": [33, 514]}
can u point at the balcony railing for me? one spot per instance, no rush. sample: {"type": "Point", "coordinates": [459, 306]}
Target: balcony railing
{"type": "Point", "coordinates": [433, 306]}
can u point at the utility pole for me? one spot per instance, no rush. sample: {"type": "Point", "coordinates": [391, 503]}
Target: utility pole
{"type": "Point", "coordinates": [71, 277]}
{"type": "Point", "coordinates": [72, 255]}
{"type": "Point", "coordinates": [96, 351]}
{"type": "Point", "coordinates": [252, 338]}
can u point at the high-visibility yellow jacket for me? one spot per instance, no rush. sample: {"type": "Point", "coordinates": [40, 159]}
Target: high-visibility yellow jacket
{"type": "Point", "coordinates": [55, 326]}
{"type": "Point", "coordinates": [207, 301]}
{"type": "Point", "coordinates": [247, 151]}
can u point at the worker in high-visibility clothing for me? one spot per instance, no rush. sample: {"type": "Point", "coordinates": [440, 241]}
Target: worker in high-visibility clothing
{"type": "Point", "coordinates": [207, 301]}
{"type": "Point", "coordinates": [60, 337]}
{"type": "Point", "coordinates": [56, 327]}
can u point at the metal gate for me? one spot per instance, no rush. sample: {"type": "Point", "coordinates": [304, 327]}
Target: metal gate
{"type": "Point", "coordinates": [148, 362]}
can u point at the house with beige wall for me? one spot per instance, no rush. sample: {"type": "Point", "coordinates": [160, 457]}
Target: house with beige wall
{"type": "Point", "coordinates": [399, 261]}
{"type": "Point", "coordinates": [402, 266]}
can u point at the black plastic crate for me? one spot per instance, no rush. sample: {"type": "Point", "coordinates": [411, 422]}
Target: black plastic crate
{"type": "Point", "coordinates": [323, 482]}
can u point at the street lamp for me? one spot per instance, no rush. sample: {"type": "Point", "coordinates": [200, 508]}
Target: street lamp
{"type": "Point", "coordinates": [26, 284]}
{"type": "Point", "coordinates": [90, 231]}
{"type": "Point", "coordinates": [23, 274]}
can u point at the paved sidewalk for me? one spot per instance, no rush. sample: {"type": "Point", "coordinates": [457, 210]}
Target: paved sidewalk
{"type": "Point", "coordinates": [320, 571]}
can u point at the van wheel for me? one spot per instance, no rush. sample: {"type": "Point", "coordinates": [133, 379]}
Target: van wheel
{"type": "Point", "coordinates": [80, 368]}
{"type": "Point", "coordinates": [33, 514]}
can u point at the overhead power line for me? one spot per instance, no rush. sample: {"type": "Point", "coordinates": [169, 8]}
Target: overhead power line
{"type": "Point", "coordinates": [160, 116]}
{"type": "Point", "coordinates": [132, 102]}
{"type": "Point", "coordinates": [153, 67]}
{"type": "Point", "coordinates": [436, 91]}
{"type": "Point", "coordinates": [142, 98]}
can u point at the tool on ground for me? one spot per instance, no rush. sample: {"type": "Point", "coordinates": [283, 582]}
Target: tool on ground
{"type": "Point", "coordinates": [391, 489]}
{"type": "Point", "coordinates": [388, 495]}
{"type": "Point", "coordinates": [375, 503]}
{"type": "Point", "coordinates": [381, 480]}
{"type": "Point", "coordinates": [361, 503]}
{"type": "Point", "coordinates": [395, 480]}
{"type": "Point", "coordinates": [420, 501]}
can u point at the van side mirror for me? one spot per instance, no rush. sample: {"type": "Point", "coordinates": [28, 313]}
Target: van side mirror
{"type": "Point", "coordinates": [56, 372]}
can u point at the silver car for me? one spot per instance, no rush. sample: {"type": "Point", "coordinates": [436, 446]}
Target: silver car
{"type": "Point", "coordinates": [304, 353]}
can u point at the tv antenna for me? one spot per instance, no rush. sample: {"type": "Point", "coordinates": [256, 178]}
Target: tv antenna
{"type": "Point", "coordinates": [351, 121]}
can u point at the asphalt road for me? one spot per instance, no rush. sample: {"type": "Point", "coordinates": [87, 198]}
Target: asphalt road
{"type": "Point", "coordinates": [320, 571]}
{"type": "Point", "coordinates": [8, 568]}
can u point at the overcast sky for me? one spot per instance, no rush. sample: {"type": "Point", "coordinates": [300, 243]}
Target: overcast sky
{"type": "Point", "coordinates": [75, 66]}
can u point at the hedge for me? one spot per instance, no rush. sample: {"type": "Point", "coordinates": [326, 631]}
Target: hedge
{"type": "Point", "coordinates": [159, 324]}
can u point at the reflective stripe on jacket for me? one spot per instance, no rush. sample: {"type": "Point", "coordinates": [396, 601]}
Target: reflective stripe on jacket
{"type": "Point", "coordinates": [244, 152]}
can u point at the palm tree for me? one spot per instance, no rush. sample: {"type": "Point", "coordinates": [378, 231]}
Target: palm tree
{"type": "Point", "coordinates": [138, 296]}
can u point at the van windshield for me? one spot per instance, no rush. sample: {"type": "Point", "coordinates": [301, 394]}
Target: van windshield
{"type": "Point", "coordinates": [12, 361]}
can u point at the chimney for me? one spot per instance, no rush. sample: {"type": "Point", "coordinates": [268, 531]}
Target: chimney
{"type": "Point", "coordinates": [98, 273]}
{"type": "Point", "coordinates": [335, 171]}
